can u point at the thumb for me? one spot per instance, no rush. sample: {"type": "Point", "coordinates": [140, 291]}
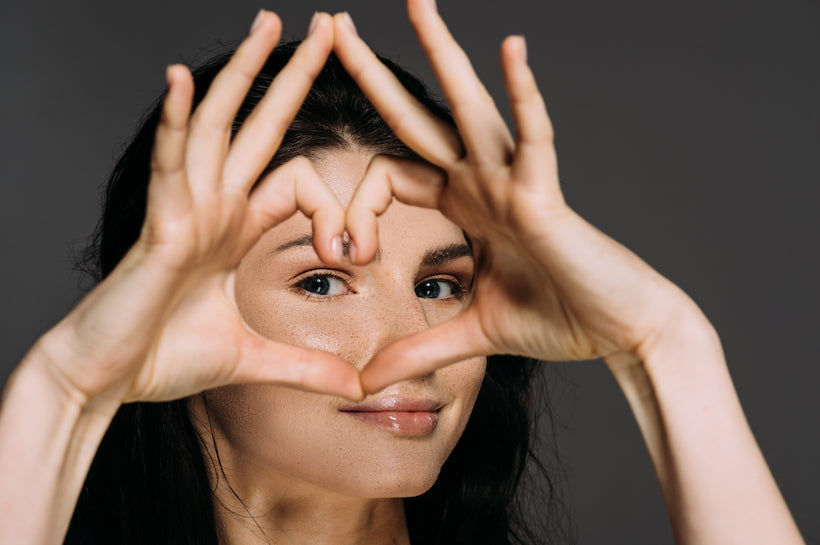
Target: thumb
{"type": "Point", "coordinates": [263, 360]}
{"type": "Point", "coordinates": [424, 352]}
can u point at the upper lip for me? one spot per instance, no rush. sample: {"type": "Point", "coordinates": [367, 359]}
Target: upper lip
{"type": "Point", "coordinates": [396, 404]}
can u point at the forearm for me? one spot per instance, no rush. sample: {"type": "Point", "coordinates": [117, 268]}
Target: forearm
{"type": "Point", "coordinates": [715, 481]}
{"type": "Point", "coordinates": [47, 442]}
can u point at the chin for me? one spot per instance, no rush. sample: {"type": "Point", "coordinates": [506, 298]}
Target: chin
{"type": "Point", "coordinates": [400, 483]}
{"type": "Point", "coordinates": [281, 440]}
{"type": "Point", "coordinates": [378, 468]}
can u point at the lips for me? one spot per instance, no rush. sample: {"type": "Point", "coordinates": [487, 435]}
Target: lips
{"type": "Point", "coordinates": [408, 417]}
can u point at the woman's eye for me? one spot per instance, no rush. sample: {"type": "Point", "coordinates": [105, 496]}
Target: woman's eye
{"type": "Point", "coordinates": [323, 285]}
{"type": "Point", "coordinates": [436, 289]}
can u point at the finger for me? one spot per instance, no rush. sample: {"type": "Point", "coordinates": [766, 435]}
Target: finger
{"type": "Point", "coordinates": [262, 132]}
{"type": "Point", "coordinates": [534, 133]}
{"type": "Point", "coordinates": [482, 129]}
{"type": "Point", "coordinates": [211, 123]}
{"type": "Point", "coordinates": [424, 352]}
{"type": "Point", "coordinates": [415, 125]}
{"type": "Point", "coordinates": [168, 190]}
{"type": "Point", "coordinates": [263, 360]}
{"type": "Point", "coordinates": [410, 181]}
{"type": "Point", "coordinates": [297, 185]}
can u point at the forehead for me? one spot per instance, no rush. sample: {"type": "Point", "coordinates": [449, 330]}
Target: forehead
{"type": "Point", "coordinates": [342, 171]}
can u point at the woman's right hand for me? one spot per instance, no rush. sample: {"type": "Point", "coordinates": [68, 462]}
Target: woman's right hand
{"type": "Point", "coordinates": [164, 323]}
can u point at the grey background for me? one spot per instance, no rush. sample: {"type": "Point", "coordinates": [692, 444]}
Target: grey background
{"type": "Point", "coordinates": [687, 131]}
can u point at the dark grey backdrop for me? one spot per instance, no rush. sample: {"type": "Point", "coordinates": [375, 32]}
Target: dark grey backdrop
{"type": "Point", "coordinates": [688, 131]}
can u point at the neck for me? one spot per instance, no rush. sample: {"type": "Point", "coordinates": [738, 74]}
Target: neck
{"type": "Point", "coordinates": [303, 517]}
{"type": "Point", "coordinates": [255, 504]}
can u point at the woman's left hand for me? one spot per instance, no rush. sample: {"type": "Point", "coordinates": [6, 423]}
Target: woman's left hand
{"type": "Point", "coordinates": [548, 284]}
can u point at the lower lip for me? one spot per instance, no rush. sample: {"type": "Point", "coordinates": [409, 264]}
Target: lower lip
{"type": "Point", "coordinates": [399, 422]}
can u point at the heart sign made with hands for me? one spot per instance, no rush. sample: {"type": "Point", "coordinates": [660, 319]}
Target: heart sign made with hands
{"type": "Point", "coordinates": [547, 284]}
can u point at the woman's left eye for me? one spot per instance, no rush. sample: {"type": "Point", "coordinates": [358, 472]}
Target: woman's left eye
{"type": "Point", "coordinates": [437, 289]}
{"type": "Point", "coordinates": [323, 285]}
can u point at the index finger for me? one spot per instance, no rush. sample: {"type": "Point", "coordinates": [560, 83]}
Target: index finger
{"type": "Point", "coordinates": [413, 123]}
{"type": "Point", "coordinates": [483, 130]}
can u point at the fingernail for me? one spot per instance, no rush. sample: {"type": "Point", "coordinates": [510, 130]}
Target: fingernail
{"type": "Point", "coordinates": [336, 249]}
{"type": "Point", "coordinates": [257, 21]}
{"type": "Point", "coordinates": [433, 4]}
{"type": "Point", "coordinates": [523, 48]}
{"type": "Point", "coordinates": [313, 22]}
{"type": "Point", "coordinates": [352, 251]}
{"type": "Point", "coordinates": [349, 22]}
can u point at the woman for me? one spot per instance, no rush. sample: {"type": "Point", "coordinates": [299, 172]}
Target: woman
{"type": "Point", "coordinates": [189, 308]}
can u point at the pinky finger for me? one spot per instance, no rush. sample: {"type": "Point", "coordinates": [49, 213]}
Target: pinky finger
{"type": "Point", "coordinates": [169, 186]}
{"type": "Point", "coordinates": [534, 132]}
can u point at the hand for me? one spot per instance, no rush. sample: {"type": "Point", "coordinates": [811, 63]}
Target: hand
{"type": "Point", "coordinates": [548, 284]}
{"type": "Point", "coordinates": [164, 324]}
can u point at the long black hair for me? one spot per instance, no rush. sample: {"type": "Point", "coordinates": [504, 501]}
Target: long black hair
{"type": "Point", "coordinates": [149, 484]}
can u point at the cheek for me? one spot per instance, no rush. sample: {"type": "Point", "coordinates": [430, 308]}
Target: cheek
{"type": "Point", "coordinates": [465, 376]}
{"type": "Point", "coordinates": [464, 380]}
{"type": "Point", "coordinates": [271, 309]}
{"type": "Point", "coordinates": [348, 330]}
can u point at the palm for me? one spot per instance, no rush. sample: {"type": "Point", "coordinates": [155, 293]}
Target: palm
{"type": "Point", "coordinates": [519, 317]}
{"type": "Point", "coordinates": [203, 338]}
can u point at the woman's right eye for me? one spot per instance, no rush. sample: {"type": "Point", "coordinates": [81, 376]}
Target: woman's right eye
{"type": "Point", "coordinates": [323, 285]}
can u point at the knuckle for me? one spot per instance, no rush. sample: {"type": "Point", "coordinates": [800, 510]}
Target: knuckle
{"type": "Point", "coordinates": [398, 120]}
{"type": "Point", "coordinates": [241, 67]}
{"type": "Point", "coordinates": [548, 132]}
{"type": "Point", "coordinates": [379, 165]}
{"type": "Point", "coordinates": [299, 164]}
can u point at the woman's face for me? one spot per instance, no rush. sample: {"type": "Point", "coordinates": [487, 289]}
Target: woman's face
{"type": "Point", "coordinates": [396, 446]}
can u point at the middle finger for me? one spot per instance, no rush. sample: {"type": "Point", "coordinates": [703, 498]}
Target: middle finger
{"type": "Point", "coordinates": [483, 130]}
{"type": "Point", "coordinates": [433, 139]}
{"type": "Point", "coordinates": [262, 132]}
{"type": "Point", "coordinates": [210, 126]}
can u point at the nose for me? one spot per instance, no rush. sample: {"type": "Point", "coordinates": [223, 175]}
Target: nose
{"type": "Point", "coordinates": [392, 315]}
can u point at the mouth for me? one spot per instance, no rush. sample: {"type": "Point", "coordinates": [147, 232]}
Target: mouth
{"type": "Point", "coordinates": [398, 415]}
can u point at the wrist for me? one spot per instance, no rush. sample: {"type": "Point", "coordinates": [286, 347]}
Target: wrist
{"type": "Point", "coordinates": [686, 351]}
{"type": "Point", "coordinates": [39, 369]}
{"type": "Point", "coordinates": [48, 439]}
{"type": "Point", "coordinates": [714, 479]}
{"type": "Point", "coordinates": [37, 379]}
{"type": "Point", "coordinates": [682, 342]}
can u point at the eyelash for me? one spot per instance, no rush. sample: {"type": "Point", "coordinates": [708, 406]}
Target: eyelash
{"type": "Point", "coordinates": [301, 283]}
{"type": "Point", "coordinates": [458, 290]}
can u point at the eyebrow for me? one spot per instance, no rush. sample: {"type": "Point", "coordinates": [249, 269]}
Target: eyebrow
{"type": "Point", "coordinates": [445, 254]}
{"type": "Point", "coordinates": [432, 258]}
{"type": "Point", "coordinates": [307, 240]}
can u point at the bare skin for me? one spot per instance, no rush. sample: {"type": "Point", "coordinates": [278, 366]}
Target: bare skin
{"type": "Point", "coordinates": [548, 285]}
{"type": "Point", "coordinates": [306, 470]}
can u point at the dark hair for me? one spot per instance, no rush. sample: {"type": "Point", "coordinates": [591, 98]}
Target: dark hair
{"type": "Point", "coordinates": [149, 482]}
